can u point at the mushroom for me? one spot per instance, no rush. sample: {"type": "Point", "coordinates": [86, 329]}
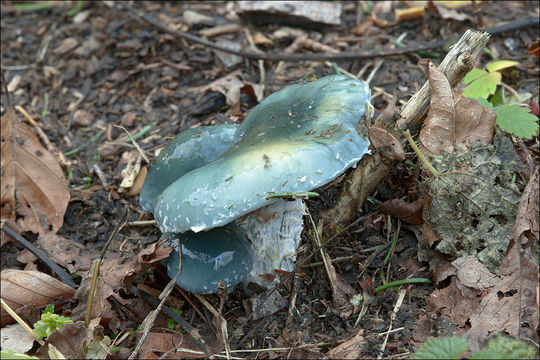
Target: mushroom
{"type": "Point", "coordinates": [297, 139]}
{"type": "Point", "coordinates": [189, 150]}
{"type": "Point", "coordinates": [206, 261]}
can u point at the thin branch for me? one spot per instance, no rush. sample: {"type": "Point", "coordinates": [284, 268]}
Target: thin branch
{"type": "Point", "coordinates": [313, 57]}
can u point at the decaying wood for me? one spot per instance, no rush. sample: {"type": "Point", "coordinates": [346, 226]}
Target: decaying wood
{"type": "Point", "coordinates": [362, 181]}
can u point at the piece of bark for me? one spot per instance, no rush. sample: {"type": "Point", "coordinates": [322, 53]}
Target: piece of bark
{"type": "Point", "coordinates": [371, 170]}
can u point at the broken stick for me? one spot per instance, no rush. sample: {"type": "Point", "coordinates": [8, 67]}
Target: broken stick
{"type": "Point", "coordinates": [371, 170]}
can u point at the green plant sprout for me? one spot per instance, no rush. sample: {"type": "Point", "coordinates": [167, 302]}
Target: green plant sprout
{"type": "Point", "coordinates": [49, 323]}
{"type": "Point", "coordinates": [483, 83]}
{"type": "Point", "coordinates": [171, 324]}
{"type": "Point", "coordinates": [510, 116]}
{"type": "Point", "coordinates": [452, 347]}
{"type": "Point", "coordinates": [292, 195]}
{"type": "Point", "coordinates": [402, 282]}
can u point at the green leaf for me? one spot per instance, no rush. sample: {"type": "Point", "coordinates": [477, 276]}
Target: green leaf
{"type": "Point", "coordinates": [484, 103]}
{"type": "Point", "coordinates": [500, 64]}
{"type": "Point", "coordinates": [11, 355]}
{"type": "Point", "coordinates": [48, 324]}
{"type": "Point", "coordinates": [517, 121]}
{"type": "Point", "coordinates": [442, 348]}
{"type": "Point", "coordinates": [482, 86]}
{"type": "Point", "coordinates": [34, 6]}
{"type": "Point", "coordinates": [498, 98]}
{"type": "Point", "coordinates": [473, 75]}
{"type": "Point", "coordinates": [501, 347]}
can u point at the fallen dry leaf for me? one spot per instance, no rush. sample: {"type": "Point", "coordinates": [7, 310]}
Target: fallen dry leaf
{"type": "Point", "coordinates": [34, 189]}
{"type": "Point", "coordinates": [446, 12]}
{"type": "Point", "coordinates": [145, 259]}
{"type": "Point", "coordinates": [232, 85]}
{"type": "Point", "coordinates": [69, 341]}
{"type": "Point", "coordinates": [452, 119]}
{"type": "Point", "coordinates": [135, 189]}
{"type": "Point", "coordinates": [342, 292]}
{"type": "Point", "coordinates": [23, 290]}
{"type": "Point", "coordinates": [473, 274]}
{"type": "Point", "coordinates": [266, 304]}
{"type": "Point", "coordinates": [132, 159]}
{"type": "Point", "coordinates": [454, 303]}
{"type": "Point", "coordinates": [511, 305]}
{"type": "Point", "coordinates": [381, 138]}
{"type": "Point", "coordinates": [410, 212]}
{"type": "Point", "coordinates": [66, 252]}
{"type": "Point", "coordinates": [350, 349]}
{"type": "Point", "coordinates": [416, 12]}
{"type": "Point", "coordinates": [177, 346]}
{"type": "Point", "coordinates": [100, 305]}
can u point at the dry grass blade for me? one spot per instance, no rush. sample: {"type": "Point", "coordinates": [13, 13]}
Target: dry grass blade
{"type": "Point", "coordinates": [34, 189]}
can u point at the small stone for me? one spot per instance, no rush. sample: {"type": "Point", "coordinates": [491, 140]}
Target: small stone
{"type": "Point", "coordinates": [82, 118]}
{"type": "Point", "coordinates": [66, 45]}
{"type": "Point", "coordinates": [128, 119]}
{"type": "Point", "coordinates": [194, 18]}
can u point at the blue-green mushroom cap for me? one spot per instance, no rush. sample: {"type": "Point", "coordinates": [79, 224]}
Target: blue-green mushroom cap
{"type": "Point", "coordinates": [297, 139]}
{"type": "Point", "coordinates": [221, 254]}
{"type": "Point", "coordinates": [189, 150]}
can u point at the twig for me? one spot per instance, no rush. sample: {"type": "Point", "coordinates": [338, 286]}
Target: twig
{"type": "Point", "coordinates": [334, 237]}
{"type": "Point", "coordinates": [309, 57]}
{"type": "Point", "coordinates": [148, 322]}
{"type": "Point", "coordinates": [142, 222]}
{"type": "Point", "coordinates": [478, 13]}
{"type": "Point", "coordinates": [119, 225]}
{"type": "Point", "coordinates": [135, 143]}
{"type": "Point", "coordinates": [44, 137]}
{"type": "Point", "coordinates": [374, 71]}
{"type": "Point", "coordinates": [283, 348]}
{"type": "Point", "coordinates": [183, 323]}
{"type": "Point", "coordinates": [18, 319]}
{"type": "Point", "coordinates": [101, 176]}
{"type": "Point", "coordinates": [63, 275]}
{"type": "Point", "coordinates": [92, 292]}
{"type": "Point", "coordinates": [262, 72]}
{"type": "Point", "coordinates": [222, 323]}
{"type": "Point", "coordinates": [399, 301]}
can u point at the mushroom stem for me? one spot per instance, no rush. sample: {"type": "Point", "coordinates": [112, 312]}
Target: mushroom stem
{"type": "Point", "coordinates": [274, 231]}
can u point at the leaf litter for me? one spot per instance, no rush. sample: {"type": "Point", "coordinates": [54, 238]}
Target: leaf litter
{"type": "Point", "coordinates": [474, 197]}
{"type": "Point", "coordinates": [321, 325]}
{"type": "Point", "coordinates": [34, 189]}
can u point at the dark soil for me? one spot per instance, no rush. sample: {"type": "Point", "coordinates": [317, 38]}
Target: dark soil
{"type": "Point", "coordinates": [118, 74]}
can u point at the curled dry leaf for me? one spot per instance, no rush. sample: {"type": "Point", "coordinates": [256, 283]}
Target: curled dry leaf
{"type": "Point", "coordinates": [69, 341]}
{"type": "Point", "coordinates": [177, 346]}
{"type": "Point", "coordinates": [233, 85]}
{"type": "Point", "coordinates": [342, 292]}
{"type": "Point", "coordinates": [350, 349]}
{"type": "Point", "coordinates": [381, 138]}
{"type": "Point", "coordinates": [511, 304]}
{"type": "Point", "coordinates": [22, 290]}
{"type": "Point", "coordinates": [34, 189]}
{"type": "Point", "coordinates": [144, 261]}
{"type": "Point", "coordinates": [452, 119]}
{"type": "Point", "coordinates": [410, 212]}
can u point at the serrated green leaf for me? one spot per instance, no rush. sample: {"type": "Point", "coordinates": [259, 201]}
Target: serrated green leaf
{"type": "Point", "coordinates": [517, 121]}
{"type": "Point", "coordinates": [473, 75]}
{"type": "Point", "coordinates": [498, 98]}
{"type": "Point", "coordinates": [500, 64]}
{"type": "Point", "coordinates": [12, 355]}
{"type": "Point", "coordinates": [484, 103]}
{"type": "Point", "coordinates": [483, 86]}
{"type": "Point", "coordinates": [450, 347]}
{"type": "Point", "coordinates": [48, 324]}
{"type": "Point", "coordinates": [501, 347]}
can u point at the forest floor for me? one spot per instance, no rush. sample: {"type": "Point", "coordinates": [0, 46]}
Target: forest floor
{"type": "Point", "coordinates": [90, 77]}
